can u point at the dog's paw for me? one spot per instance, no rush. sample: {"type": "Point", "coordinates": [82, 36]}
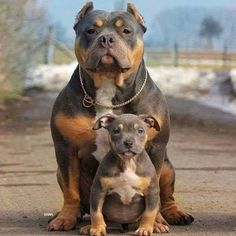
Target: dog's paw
{"type": "Point", "coordinates": [160, 228]}
{"type": "Point", "coordinates": [144, 230]}
{"type": "Point", "coordinates": [85, 229]}
{"type": "Point", "coordinates": [99, 230]}
{"type": "Point", "coordinates": [177, 217]}
{"type": "Point", "coordinates": [62, 223]}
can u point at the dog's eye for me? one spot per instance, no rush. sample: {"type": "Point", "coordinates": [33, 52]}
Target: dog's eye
{"type": "Point", "coordinates": [91, 31]}
{"type": "Point", "coordinates": [126, 31]}
{"type": "Point", "coordinates": [116, 130]}
{"type": "Point", "coordinates": [140, 130]}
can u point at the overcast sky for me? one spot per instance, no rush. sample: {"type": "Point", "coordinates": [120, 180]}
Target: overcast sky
{"type": "Point", "coordinates": [64, 11]}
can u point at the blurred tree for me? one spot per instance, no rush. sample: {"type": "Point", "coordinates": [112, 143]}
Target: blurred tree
{"type": "Point", "coordinates": [210, 29]}
{"type": "Point", "coordinates": [60, 33]}
{"type": "Point", "coordinates": [22, 26]}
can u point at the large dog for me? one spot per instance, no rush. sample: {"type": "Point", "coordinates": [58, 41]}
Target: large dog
{"type": "Point", "coordinates": [111, 78]}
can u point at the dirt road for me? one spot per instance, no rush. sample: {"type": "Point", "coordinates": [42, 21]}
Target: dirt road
{"type": "Point", "coordinates": [205, 161]}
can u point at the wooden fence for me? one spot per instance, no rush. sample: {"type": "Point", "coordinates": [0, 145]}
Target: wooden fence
{"type": "Point", "coordinates": [212, 59]}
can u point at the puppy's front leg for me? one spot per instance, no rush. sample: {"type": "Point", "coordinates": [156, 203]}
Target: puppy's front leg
{"type": "Point", "coordinates": [98, 225]}
{"type": "Point", "coordinates": [148, 218]}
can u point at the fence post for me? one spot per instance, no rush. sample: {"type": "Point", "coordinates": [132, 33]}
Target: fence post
{"type": "Point", "coordinates": [225, 57]}
{"type": "Point", "coordinates": [176, 54]}
{"type": "Point", "coordinates": [49, 48]}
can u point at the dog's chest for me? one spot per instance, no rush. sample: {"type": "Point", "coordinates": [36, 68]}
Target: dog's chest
{"type": "Point", "coordinates": [126, 185]}
{"type": "Point", "coordinates": [104, 95]}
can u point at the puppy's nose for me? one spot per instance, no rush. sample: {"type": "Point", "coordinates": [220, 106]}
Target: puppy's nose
{"type": "Point", "coordinates": [128, 143]}
{"type": "Point", "coordinates": [107, 41]}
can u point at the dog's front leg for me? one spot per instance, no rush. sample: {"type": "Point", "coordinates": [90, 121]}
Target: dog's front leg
{"type": "Point", "coordinates": [169, 209]}
{"type": "Point", "coordinates": [148, 220]}
{"type": "Point", "coordinates": [68, 179]}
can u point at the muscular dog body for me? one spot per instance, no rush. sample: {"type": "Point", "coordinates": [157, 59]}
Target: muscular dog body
{"type": "Point", "coordinates": [111, 71]}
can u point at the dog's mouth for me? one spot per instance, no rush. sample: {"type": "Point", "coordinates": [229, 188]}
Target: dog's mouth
{"type": "Point", "coordinates": [107, 59]}
{"type": "Point", "coordinates": [128, 154]}
{"type": "Point", "coordinates": [107, 62]}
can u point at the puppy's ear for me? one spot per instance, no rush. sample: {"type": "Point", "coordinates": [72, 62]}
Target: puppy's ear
{"type": "Point", "coordinates": [104, 121]}
{"type": "Point", "coordinates": [85, 10]}
{"type": "Point", "coordinates": [139, 18]}
{"type": "Point", "coordinates": [150, 121]}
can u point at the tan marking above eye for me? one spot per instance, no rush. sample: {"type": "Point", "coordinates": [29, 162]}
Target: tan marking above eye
{"type": "Point", "coordinates": [121, 126]}
{"type": "Point", "coordinates": [99, 23]}
{"type": "Point", "coordinates": [119, 23]}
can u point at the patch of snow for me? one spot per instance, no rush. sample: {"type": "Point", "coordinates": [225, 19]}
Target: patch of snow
{"type": "Point", "coordinates": [49, 77]}
{"type": "Point", "coordinates": [182, 82]}
{"type": "Point", "coordinates": [205, 87]}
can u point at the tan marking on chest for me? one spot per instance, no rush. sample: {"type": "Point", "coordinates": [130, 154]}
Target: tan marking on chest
{"type": "Point", "coordinates": [126, 185]}
{"type": "Point", "coordinates": [77, 130]}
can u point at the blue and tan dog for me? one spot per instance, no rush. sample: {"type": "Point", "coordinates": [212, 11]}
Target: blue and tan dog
{"type": "Point", "coordinates": [126, 188]}
{"type": "Point", "coordinates": [111, 78]}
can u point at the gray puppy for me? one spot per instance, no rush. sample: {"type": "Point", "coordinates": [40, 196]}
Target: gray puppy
{"type": "Point", "coordinates": [126, 185]}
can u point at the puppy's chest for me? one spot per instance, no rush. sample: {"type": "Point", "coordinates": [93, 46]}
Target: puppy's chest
{"type": "Point", "coordinates": [126, 185]}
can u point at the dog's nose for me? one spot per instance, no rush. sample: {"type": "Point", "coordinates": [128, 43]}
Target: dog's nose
{"type": "Point", "coordinates": [107, 40]}
{"type": "Point", "coordinates": [128, 143]}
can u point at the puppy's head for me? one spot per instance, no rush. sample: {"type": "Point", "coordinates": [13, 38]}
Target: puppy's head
{"type": "Point", "coordinates": [127, 132]}
{"type": "Point", "coordinates": [109, 41]}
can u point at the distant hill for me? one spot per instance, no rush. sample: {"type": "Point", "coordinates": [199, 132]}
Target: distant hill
{"type": "Point", "coordinates": [182, 25]}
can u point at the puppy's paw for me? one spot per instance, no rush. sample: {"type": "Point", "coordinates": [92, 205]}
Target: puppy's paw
{"type": "Point", "coordinates": [144, 230]}
{"type": "Point", "coordinates": [160, 228]}
{"type": "Point", "coordinates": [99, 230]}
{"type": "Point", "coordinates": [160, 225]}
{"type": "Point", "coordinates": [85, 229]}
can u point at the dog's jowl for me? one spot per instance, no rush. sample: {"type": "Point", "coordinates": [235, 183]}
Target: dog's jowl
{"type": "Point", "coordinates": [111, 77]}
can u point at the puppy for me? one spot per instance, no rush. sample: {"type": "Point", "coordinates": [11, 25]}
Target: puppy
{"type": "Point", "coordinates": [126, 185]}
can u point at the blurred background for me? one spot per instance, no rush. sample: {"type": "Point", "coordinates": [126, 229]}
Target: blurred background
{"type": "Point", "coordinates": [190, 46]}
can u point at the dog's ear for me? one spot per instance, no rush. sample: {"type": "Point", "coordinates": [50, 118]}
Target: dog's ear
{"type": "Point", "coordinates": [85, 10]}
{"type": "Point", "coordinates": [139, 18]}
{"type": "Point", "coordinates": [104, 121]}
{"type": "Point", "coordinates": [150, 121]}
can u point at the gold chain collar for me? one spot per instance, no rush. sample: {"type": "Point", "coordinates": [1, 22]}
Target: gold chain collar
{"type": "Point", "coordinates": [88, 101]}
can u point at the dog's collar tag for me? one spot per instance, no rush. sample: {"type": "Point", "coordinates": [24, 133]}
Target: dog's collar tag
{"type": "Point", "coordinates": [88, 101]}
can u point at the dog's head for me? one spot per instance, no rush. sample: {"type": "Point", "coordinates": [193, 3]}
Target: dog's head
{"type": "Point", "coordinates": [109, 41]}
{"type": "Point", "coordinates": [127, 132]}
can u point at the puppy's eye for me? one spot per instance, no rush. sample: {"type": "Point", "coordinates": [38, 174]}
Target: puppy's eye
{"type": "Point", "coordinates": [126, 31]}
{"type": "Point", "coordinates": [91, 31]}
{"type": "Point", "coordinates": [116, 130]}
{"type": "Point", "coordinates": [140, 130]}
